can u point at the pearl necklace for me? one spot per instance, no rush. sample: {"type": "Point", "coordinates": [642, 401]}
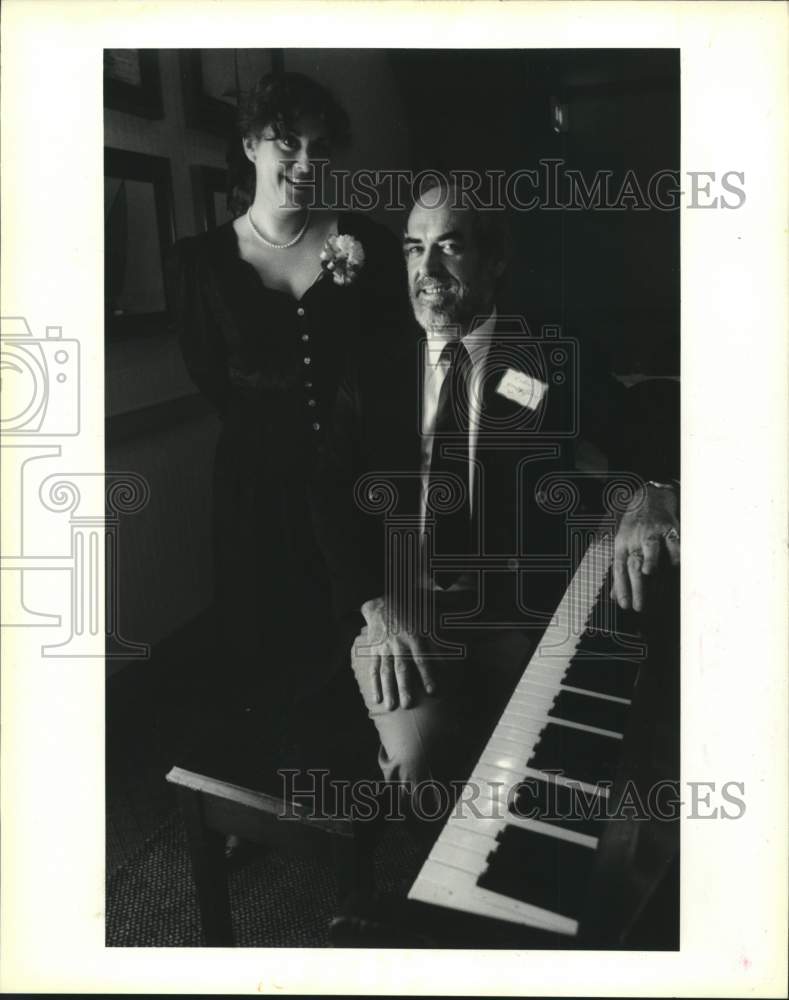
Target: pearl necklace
{"type": "Point", "coordinates": [278, 246]}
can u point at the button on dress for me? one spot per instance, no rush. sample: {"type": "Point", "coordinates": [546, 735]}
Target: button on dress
{"type": "Point", "coordinates": [271, 365]}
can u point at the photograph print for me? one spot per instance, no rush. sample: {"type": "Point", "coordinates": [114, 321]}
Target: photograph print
{"type": "Point", "coordinates": [392, 349]}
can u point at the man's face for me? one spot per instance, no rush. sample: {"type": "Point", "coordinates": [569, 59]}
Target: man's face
{"type": "Point", "coordinates": [449, 280]}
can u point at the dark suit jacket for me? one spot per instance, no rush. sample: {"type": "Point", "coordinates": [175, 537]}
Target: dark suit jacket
{"type": "Point", "coordinates": [525, 490]}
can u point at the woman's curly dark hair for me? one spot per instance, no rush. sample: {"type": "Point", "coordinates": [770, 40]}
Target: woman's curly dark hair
{"type": "Point", "coordinates": [277, 101]}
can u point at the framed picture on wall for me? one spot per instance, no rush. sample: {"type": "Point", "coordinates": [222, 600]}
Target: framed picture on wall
{"type": "Point", "coordinates": [133, 82]}
{"type": "Point", "coordinates": [209, 187]}
{"type": "Point", "coordinates": [138, 234]}
{"type": "Point", "coordinates": [213, 80]}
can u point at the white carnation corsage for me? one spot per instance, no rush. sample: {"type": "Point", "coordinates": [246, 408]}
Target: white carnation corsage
{"type": "Point", "coordinates": [343, 258]}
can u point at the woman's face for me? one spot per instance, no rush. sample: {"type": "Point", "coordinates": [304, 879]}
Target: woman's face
{"type": "Point", "coordinates": [287, 168]}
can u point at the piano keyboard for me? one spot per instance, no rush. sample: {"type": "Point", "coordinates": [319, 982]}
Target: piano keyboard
{"type": "Point", "coordinates": [520, 844]}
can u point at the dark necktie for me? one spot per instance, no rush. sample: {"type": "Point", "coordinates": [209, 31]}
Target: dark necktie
{"type": "Point", "coordinates": [450, 455]}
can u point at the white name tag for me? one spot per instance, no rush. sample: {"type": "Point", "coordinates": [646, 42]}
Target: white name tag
{"type": "Point", "coordinates": [522, 388]}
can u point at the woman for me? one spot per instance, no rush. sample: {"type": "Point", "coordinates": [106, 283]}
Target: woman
{"type": "Point", "coordinates": [268, 309]}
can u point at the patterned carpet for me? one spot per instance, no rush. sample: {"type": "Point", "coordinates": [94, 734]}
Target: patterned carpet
{"type": "Point", "coordinates": [277, 900]}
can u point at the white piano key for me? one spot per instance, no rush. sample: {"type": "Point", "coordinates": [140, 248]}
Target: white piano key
{"type": "Point", "coordinates": [469, 840]}
{"type": "Point", "coordinates": [519, 749]}
{"type": "Point", "coordinates": [459, 857]}
{"type": "Point", "coordinates": [468, 836]}
{"type": "Point", "coordinates": [595, 694]}
{"type": "Point", "coordinates": [485, 772]}
{"type": "Point", "coordinates": [530, 694]}
{"type": "Point", "coordinates": [479, 846]}
{"type": "Point", "coordinates": [543, 719]}
{"type": "Point", "coordinates": [527, 694]}
{"type": "Point", "coordinates": [561, 625]}
{"type": "Point", "coordinates": [505, 762]}
{"type": "Point", "coordinates": [553, 648]}
{"type": "Point", "coordinates": [520, 753]}
{"type": "Point", "coordinates": [565, 627]}
{"type": "Point", "coordinates": [511, 730]}
{"type": "Point", "coordinates": [495, 802]}
{"type": "Point", "coordinates": [522, 720]}
{"type": "Point", "coordinates": [525, 726]}
{"type": "Point", "coordinates": [495, 799]}
{"type": "Point", "coordinates": [540, 680]}
{"type": "Point", "coordinates": [523, 706]}
{"type": "Point", "coordinates": [521, 743]}
{"type": "Point", "coordinates": [550, 665]}
{"type": "Point", "coordinates": [447, 886]}
{"type": "Point", "coordinates": [585, 728]}
{"type": "Point", "coordinates": [484, 826]}
{"type": "Point", "coordinates": [563, 779]}
{"type": "Point", "coordinates": [518, 709]}
{"type": "Point", "coordinates": [549, 676]}
{"type": "Point", "coordinates": [553, 830]}
{"type": "Point", "coordinates": [527, 714]}
{"type": "Point", "coordinates": [520, 770]}
{"type": "Point", "coordinates": [538, 683]}
{"type": "Point", "coordinates": [491, 787]}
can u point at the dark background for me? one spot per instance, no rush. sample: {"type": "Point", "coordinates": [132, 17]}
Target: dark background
{"type": "Point", "coordinates": [611, 278]}
{"type": "Point", "coordinates": [607, 276]}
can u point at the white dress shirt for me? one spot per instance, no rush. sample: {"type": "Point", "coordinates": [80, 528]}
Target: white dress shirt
{"type": "Point", "coordinates": [477, 343]}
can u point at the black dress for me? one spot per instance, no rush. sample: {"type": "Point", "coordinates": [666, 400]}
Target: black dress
{"type": "Point", "coordinates": [271, 365]}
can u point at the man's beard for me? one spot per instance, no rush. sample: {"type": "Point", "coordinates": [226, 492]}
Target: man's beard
{"type": "Point", "coordinates": [454, 308]}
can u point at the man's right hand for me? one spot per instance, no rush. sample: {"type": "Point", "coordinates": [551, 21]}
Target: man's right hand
{"type": "Point", "coordinates": [399, 669]}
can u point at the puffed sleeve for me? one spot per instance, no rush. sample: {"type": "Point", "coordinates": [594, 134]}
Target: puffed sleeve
{"type": "Point", "coordinates": [202, 345]}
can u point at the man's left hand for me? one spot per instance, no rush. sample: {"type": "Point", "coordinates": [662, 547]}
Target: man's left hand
{"type": "Point", "coordinates": [648, 526]}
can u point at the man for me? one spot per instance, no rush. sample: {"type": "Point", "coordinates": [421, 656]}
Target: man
{"type": "Point", "coordinates": [449, 435]}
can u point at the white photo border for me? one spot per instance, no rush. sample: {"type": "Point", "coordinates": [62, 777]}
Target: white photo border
{"type": "Point", "coordinates": [734, 364]}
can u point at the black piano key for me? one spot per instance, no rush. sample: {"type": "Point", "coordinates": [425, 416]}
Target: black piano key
{"type": "Point", "coordinates": [609, 650]}
{"type": "Point", "coordinates": [540, 870]}
{"type": "Point", "coordinates": [577, 754]}
{"type": "Point", "coordinates": [606, 615]}
{"type": "Point", "coordinates": [590, 711]}
{"type": "Point", "coordinates": [599, 644]}
{"type": "Point", "coordinates": [550, 802]}
{"type": "Point", "coordinates": [614, 677]}
{"type": "Point", "coordinates": [610, 631]}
